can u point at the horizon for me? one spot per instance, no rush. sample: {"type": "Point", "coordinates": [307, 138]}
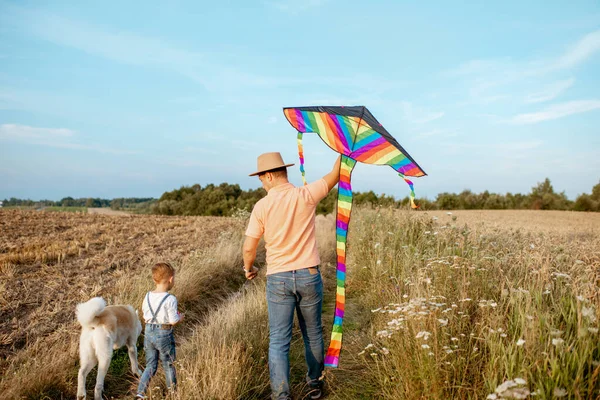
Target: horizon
{"type": "Point", "coordinates": [120, 100]}
{"type": "Point", "coordinates": [397, 198]}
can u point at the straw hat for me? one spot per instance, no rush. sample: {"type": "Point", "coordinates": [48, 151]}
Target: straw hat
{"type": "Point", "coordinates": [268, 162]}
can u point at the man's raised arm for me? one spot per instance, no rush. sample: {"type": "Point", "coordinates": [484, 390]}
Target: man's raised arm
{"type": "Point", "coordinates": [333, 177]}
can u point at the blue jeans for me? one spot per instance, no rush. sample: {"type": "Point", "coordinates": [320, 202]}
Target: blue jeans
{"type": "Point", "coordinates": [288, 291]}
{"type": "Point", "coordinates": [158, 344]}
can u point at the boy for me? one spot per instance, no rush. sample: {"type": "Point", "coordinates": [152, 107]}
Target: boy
{"type": "Point", "coordinates": [160, 314]}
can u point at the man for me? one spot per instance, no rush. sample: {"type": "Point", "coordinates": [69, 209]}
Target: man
{"type": "Point", "coordinates": [286, 219]}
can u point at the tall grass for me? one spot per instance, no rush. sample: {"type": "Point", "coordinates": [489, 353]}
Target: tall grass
{"type": "Point", "coordinates": [462, 313]}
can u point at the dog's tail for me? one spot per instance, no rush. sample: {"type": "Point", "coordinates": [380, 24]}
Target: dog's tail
{"type": "Point", "coordinates": [88, 311]}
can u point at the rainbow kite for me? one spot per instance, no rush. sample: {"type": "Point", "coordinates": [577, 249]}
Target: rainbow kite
{"type": "Point", "coordinates": [357, 136]}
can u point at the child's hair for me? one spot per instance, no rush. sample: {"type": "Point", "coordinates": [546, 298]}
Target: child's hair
{"type": "Point", "coordinates": [161, 272]}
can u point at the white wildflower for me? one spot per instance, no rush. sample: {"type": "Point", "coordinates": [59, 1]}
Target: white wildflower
{"type": "Point", "coordinates": [373, 354]}
{"type": "Point", "coordinates": [361, 353]}
{"type": "Point", "coordinates": [516, 393]}
{"type": "Point", "coordinates": [378, 262]}
{"type": "Point", "coordinates": [593, 330]}
{"type": "Point", "coordinates": [454, 339]}
{"type": "Point", "coordinates": [427, 232]}
{"type": "Point", "coordinates": [559, 392]}
{"type": "Point", "coordinates": [423, 334]}
{"type": "Point", "coordinates": [505, 386]}
{"type": "Point", "coordinates": [377, 245]}
{"type": "Point", "coordinates": [503, 335]}
{"type": "Point", "coordinates": [520, 342]}
{"type": "Point", "coordinates": [385, 351]}
{"type": "Point", "coordinates": [492, 396]}
{"type": "Point", "coordinates": [520, 381]}
{"type": "Point", "coordinates": [430, 354]}
{"type": "Point", "coordinates": [443, 322]}
{"type": "Point", "coordinates": [376, 310]}
{"type": "Point", "coordinates": [427, 281]}
{"type": "Point", "coordinates": [580, 298]}
{"type": "Point", "coordinates": [557, 342]}
{"type": "Point", "coordinates": [589, 313]}
{"type": "Point", "coordinates": [532, 246]}
{"type": "Point", "coordinates": [384, 334]}
{"type": "Point", "coordinates": [369, 346]}
{"type": "Point", "coordinates": [448, 213]}
{"type": "Point", "coordinates": [425, 346]}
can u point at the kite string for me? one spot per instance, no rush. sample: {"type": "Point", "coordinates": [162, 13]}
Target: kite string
{"type": "Point", "coordinates": [344, 207]}
{"type": "Point", "coordinates": [412, 191]}
{"type": "Point", "coordinates": [301, 156]}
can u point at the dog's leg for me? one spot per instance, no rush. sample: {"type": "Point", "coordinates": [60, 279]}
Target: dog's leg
{"type": "Point", "coordinates": [104, 352]}
{"type": "Point", "coordinates": [87, 361]}
{"type": "Point", "coordinates": [133, 357]}
{"type": "Point", "coordinates": [103, 364]}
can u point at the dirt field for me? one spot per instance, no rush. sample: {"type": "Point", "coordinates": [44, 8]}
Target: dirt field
{"type": "Point", "coordinates": [525, 220]}
{"type": "Point", "coordinates": [106, 211]}
{"type": "Point", "coordinates": [51, 261]}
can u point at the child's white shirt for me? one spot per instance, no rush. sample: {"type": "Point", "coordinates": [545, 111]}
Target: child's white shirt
{"type": "Point", "coordinates": [167, 314]}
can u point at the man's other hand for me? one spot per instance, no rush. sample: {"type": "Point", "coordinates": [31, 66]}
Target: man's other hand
{"type": "Point", "coordinates": [252, 273]}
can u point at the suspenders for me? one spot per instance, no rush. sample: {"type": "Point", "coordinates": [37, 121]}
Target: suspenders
{"type": "Point", "coordinates": [154, 314]}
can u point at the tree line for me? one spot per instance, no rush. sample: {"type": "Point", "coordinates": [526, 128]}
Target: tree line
{"type": "Point", "coordinates": [116, 204]}
{"type": "Point", "coordinates": [227, 199]}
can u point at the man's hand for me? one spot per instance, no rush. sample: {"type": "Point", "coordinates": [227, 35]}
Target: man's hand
{"type": "Point", "coordinates": [333, 177]}
{"type": "Point", "coordinates": [252, 273]}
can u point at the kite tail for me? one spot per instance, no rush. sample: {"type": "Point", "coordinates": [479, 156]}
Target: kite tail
{"type": "Point", "coordinates": [344, 206]}
{"type": "Point", "coordinates": [412, 191]}
{"type": "Point", "coordinates": [301, 156]}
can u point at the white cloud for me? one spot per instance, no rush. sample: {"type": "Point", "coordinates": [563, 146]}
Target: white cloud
{"type": "Point", "coordinates": [580, 51]}
{"type": "Point", "coordinates": [24, 132]}
{"type": "Point", "coordinates": [417, 115]}
{"type": "Point", "coordinates": [488, 76]}
{"type": "Point", "coordinates": [52, 137]}
{"type": "Point", "coordinates": [129, 48]}
{"type": "Point", "coordinates": [550, 92]}
{"type": "Point", "coordinates": [557, 111]}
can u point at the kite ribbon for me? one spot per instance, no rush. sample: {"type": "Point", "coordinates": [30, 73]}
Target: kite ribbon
{"type": "Point", "coordinates": [301, 156]}
{"type": "Point", "coordinates": [344, 207]}
{"type": "Point", "coordinates": [412, 191]}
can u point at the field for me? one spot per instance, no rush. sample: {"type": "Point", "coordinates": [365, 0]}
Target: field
{"type": "Point", "coordinates": [466, 305]}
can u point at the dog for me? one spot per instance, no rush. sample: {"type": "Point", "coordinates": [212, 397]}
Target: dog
{"type": "Point", "coordinates": [104, 329]}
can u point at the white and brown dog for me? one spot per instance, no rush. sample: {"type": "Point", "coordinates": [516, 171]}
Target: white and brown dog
{"type": "Point", "coordinates": [104, 329]}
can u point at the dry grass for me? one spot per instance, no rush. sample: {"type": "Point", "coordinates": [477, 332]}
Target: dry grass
{"type": "Point", "coordinates": [460, 307]}
{"type": "Point", "coordinates": [439, 306]}
{"type": "Point", "coordinates": [38, 335]}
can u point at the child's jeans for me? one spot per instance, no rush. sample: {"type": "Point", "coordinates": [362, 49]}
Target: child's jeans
{"type": "Point", "coordinates": [158, 344]}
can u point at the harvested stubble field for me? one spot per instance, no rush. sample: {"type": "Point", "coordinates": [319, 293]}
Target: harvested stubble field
{"type": "Point", "coordinates": [51, 261]}
{"type": "Point", "coordinates": [467, 305]}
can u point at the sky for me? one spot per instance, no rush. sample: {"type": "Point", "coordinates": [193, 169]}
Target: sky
{"type": "Point", "coordinates": [132, 99]}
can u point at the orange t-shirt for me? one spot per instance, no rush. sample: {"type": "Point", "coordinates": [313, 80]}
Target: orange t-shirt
{"type": "Point", "coordinates": [286, 217]}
